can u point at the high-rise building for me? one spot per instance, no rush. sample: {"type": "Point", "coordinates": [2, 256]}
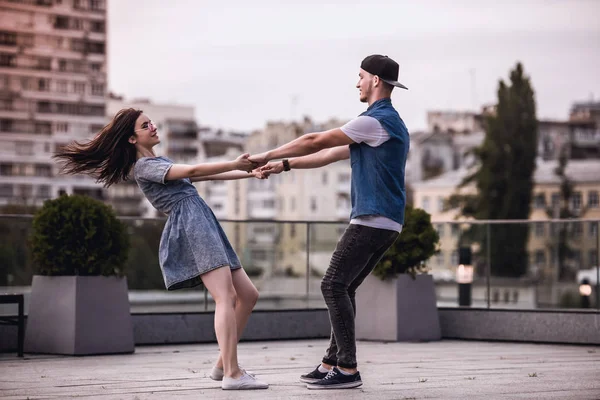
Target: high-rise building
{"type": "Point", "coordinates": [52, 91]}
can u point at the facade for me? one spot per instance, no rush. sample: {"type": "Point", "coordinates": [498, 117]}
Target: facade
{"type": "Point", "coordinates": [298, 195]}
{"type": "Point", "coordinates": [52, 91]}
{"type": "Point", "coordinates": [583, 235]}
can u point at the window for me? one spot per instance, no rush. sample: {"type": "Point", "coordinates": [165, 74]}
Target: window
{"type": "Point", "coordinates": [324, 178]}
{"type": "Point", "coordinates": [6, 169]}
{"type": "Point", "coordinates": [577, 229]}
{"type": "Point", "coordinates": [259, 255]}
{"type": "Point", "coordinates": [61, 127]}
{"type": "Point", "coordinates": [44, 63]}
{"type": "Point", "coordinates": [97, 26]}
{"type": "Point", "coordinates": [577, 258]}
{"type": "Point", "coordinates": [440, 204]}
{"type": "Point", "coordinates": [44, 192]}
{"type": "Point", "coordinates": [8, 60]}
{"type": "Point", "coordinates": [61, 22]}
{"type": "Point", "coordinates": [43, 170]}
{"type": "Point", "coordinates": [439, 259]}
{"type": "Point", "coordinates": [8, 38]}
{"type": "Point", "coordinates": [79, 87]}
{"type": "Point", "coordinates": [593, 228]}
{"type": "Point", "coordinates": [293, 230]}
{"type": "Point", "coordinates": [455, 229]}
{"type": "Point", "coordinates": [98, 5]}
{"type": "Point", "coordinates": [97, 89]}
{"type": "Point", "coordinates": [454, 258]}
{"type": "Point", "coordinates": [440, 229]}
{"type": "Point", "coordinates": [313, 204]}
{"type": "Point", "coordinates": [343, 178]}
{"type": "Point", "coordinates": [539, 201]}
{"type": "Point", "coordinates": [540, 257]}
{"type": "Point", "coordinates": [6, 190]}
{"type": "Point", "coordinates": [592, 199]}
{"type": "Point", "coordinates": [425, 203]}
{"type": "Point", "coordinates": [61, 86]}
{"type": "Point", "coordinates": [24, 148]}
{"type": "Point", "coordinates": [95, 67]}
{"type": "Point", "coordinates": [293, 204]}
{"type": "Point", "coordinates": [540, 229]}
{"type": "Point", "coordinates": [268, 203]}
{"type": "Point", "coordinates": [43, 85]}
{"type": "Point", "coordinates": [576, 201]}
{"type": "Point", "coordinates": [593, 258]}
{"type": "Point", "coordinates": [555, 199]}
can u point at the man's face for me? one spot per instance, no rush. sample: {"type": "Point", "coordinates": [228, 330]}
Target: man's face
{"type": "Point", "coordinates": [364, 85]}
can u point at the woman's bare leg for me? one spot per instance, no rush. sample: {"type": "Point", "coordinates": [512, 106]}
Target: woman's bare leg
{"type": "Point", "coordinates": [219, 283]}
{"type": "Point", "coordinates": [247, 295]}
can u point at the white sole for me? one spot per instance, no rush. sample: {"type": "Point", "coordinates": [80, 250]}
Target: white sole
{"type": "Point", "coordinates": [349, 385]}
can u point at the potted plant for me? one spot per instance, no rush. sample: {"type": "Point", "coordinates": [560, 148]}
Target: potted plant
{"type": "Point", "coordinates": [397, 302]}
{"type": "Point", "coordinates": [79, 298]}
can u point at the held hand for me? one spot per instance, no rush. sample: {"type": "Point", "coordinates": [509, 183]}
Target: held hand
{"type": "Point", "coordinates": [259, 159]}
{"type": "Point", "coordinates": [244, 164]}
{"type": "Point", "coordinates": [274, 167]}
{"type": "Point", "coordinates": [258, 174]}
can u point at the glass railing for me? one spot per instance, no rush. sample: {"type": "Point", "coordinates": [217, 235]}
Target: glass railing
{"type": "Point", "coordinates": [516, 264]}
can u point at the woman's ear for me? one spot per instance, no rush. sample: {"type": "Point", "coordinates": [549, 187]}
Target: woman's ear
{"type": "Point", "coordinates": [132, 139]}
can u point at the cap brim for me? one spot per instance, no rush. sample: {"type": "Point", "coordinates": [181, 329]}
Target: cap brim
{"type": "Point", "coordinates": [395, 83]}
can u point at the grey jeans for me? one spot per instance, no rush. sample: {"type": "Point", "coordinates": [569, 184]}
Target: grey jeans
{"type": "Point", "coordinates": [357, 253]}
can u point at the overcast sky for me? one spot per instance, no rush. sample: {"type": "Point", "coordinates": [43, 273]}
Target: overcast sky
{"type": "Point", "coordinates": [242, 63]}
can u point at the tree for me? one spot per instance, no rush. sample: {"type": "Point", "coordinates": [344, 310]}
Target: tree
{"type": "Point", "coordinates": [561, 246]}
{"type": "Point", "coordinates": [504, 174]}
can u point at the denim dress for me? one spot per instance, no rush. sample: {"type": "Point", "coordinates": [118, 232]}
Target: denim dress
{"type": "Point", "coordinates": [193, 242]}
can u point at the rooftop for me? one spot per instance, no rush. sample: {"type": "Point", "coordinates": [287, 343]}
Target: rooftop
{"type": "Point", "coordinates": [435, 370]}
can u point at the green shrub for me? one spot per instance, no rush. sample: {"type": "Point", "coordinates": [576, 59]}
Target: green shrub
{"type": "Point", "coordinates": [417, 242]}
{"type": "Point", "coordinates": [78, 235]}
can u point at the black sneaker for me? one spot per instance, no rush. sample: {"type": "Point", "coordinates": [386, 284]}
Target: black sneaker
{"type": "Point", "coordinates": [314, 376]}
{"type": "Point", "coordinates": [336, 380]}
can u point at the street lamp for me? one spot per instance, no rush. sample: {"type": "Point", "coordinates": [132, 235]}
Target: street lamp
{"type": "Point", "coordinates": [464, 276]}
{"type": "Point", "coordinates": [585, 290]}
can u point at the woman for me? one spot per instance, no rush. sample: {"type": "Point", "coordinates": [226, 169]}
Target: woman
{"type": "Point", "coordinates": [193, 246]}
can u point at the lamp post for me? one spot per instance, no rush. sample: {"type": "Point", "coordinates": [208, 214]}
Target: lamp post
{"type": "Point", "coordinates": [464, 276]}
{"type": "Point", "coordinates": [585, 290]}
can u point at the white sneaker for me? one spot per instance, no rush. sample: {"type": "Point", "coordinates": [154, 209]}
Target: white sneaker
{"type": "Point", "coordinates": [217, 373]}
{"type": "Point", "coordinates": [245, 382]}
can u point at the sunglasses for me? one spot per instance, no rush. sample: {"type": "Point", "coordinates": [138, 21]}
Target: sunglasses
{"type": "Point", "coordinates": [147, 125]}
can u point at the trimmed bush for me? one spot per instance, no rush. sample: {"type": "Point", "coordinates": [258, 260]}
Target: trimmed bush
{"type": "Point", "coordinates": [78, 235]}
{"type": "Point", "coordinates": [417, 242]}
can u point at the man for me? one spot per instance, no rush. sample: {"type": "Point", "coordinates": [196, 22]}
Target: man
{"type": "Point", "coordinates": [377, 144]}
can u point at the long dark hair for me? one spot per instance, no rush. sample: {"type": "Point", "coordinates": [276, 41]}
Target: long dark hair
{"type": "Point", "coordinates": [109, 156]}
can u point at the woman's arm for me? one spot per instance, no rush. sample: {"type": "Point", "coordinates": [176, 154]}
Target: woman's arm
{"type": "Point", "coordinates": [228, 176]}
{"type": "Point", "coordinates": [181, 171]}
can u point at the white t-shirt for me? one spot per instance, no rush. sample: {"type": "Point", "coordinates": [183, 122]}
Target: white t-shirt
{"type": "Point", "coordinates": [368, 130]}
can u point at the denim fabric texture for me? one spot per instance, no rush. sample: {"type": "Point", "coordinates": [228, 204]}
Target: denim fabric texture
{"type": "Point", "coordinates": [356, 255]}
{"type": "Point", "coordinates": [377, 186]}
{"type": "Point", "coordinates": [192, 242]}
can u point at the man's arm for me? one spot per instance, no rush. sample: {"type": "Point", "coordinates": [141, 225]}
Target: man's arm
{"type": "Point", "coordinates": [305, 145]}
{"type": "Point", "coordinates": [317, 160]}
{"type": "Point", "coordinates": [320, 159]}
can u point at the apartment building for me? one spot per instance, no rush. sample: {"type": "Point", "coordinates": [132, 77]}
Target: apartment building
{"type": "Point", "coordinates": [52, 91]}
{"type": "Point", "coordinates": [321, 194]}
{"type": "Point", "coordinates": [431, 196]}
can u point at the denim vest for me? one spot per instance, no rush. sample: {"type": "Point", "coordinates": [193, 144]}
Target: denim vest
{"type": "Point", "coordinates": [378, 172]}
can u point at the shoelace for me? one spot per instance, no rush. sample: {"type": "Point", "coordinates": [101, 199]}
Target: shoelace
{"type": "Point", "coordinates": [330, 374]}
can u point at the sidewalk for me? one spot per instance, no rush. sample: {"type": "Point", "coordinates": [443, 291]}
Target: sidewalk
{"type": "Point", "coordinates": [436, 370]}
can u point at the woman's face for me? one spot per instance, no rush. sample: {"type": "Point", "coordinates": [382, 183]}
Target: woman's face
{"type": "Point", "coordinates": [145, 133]}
